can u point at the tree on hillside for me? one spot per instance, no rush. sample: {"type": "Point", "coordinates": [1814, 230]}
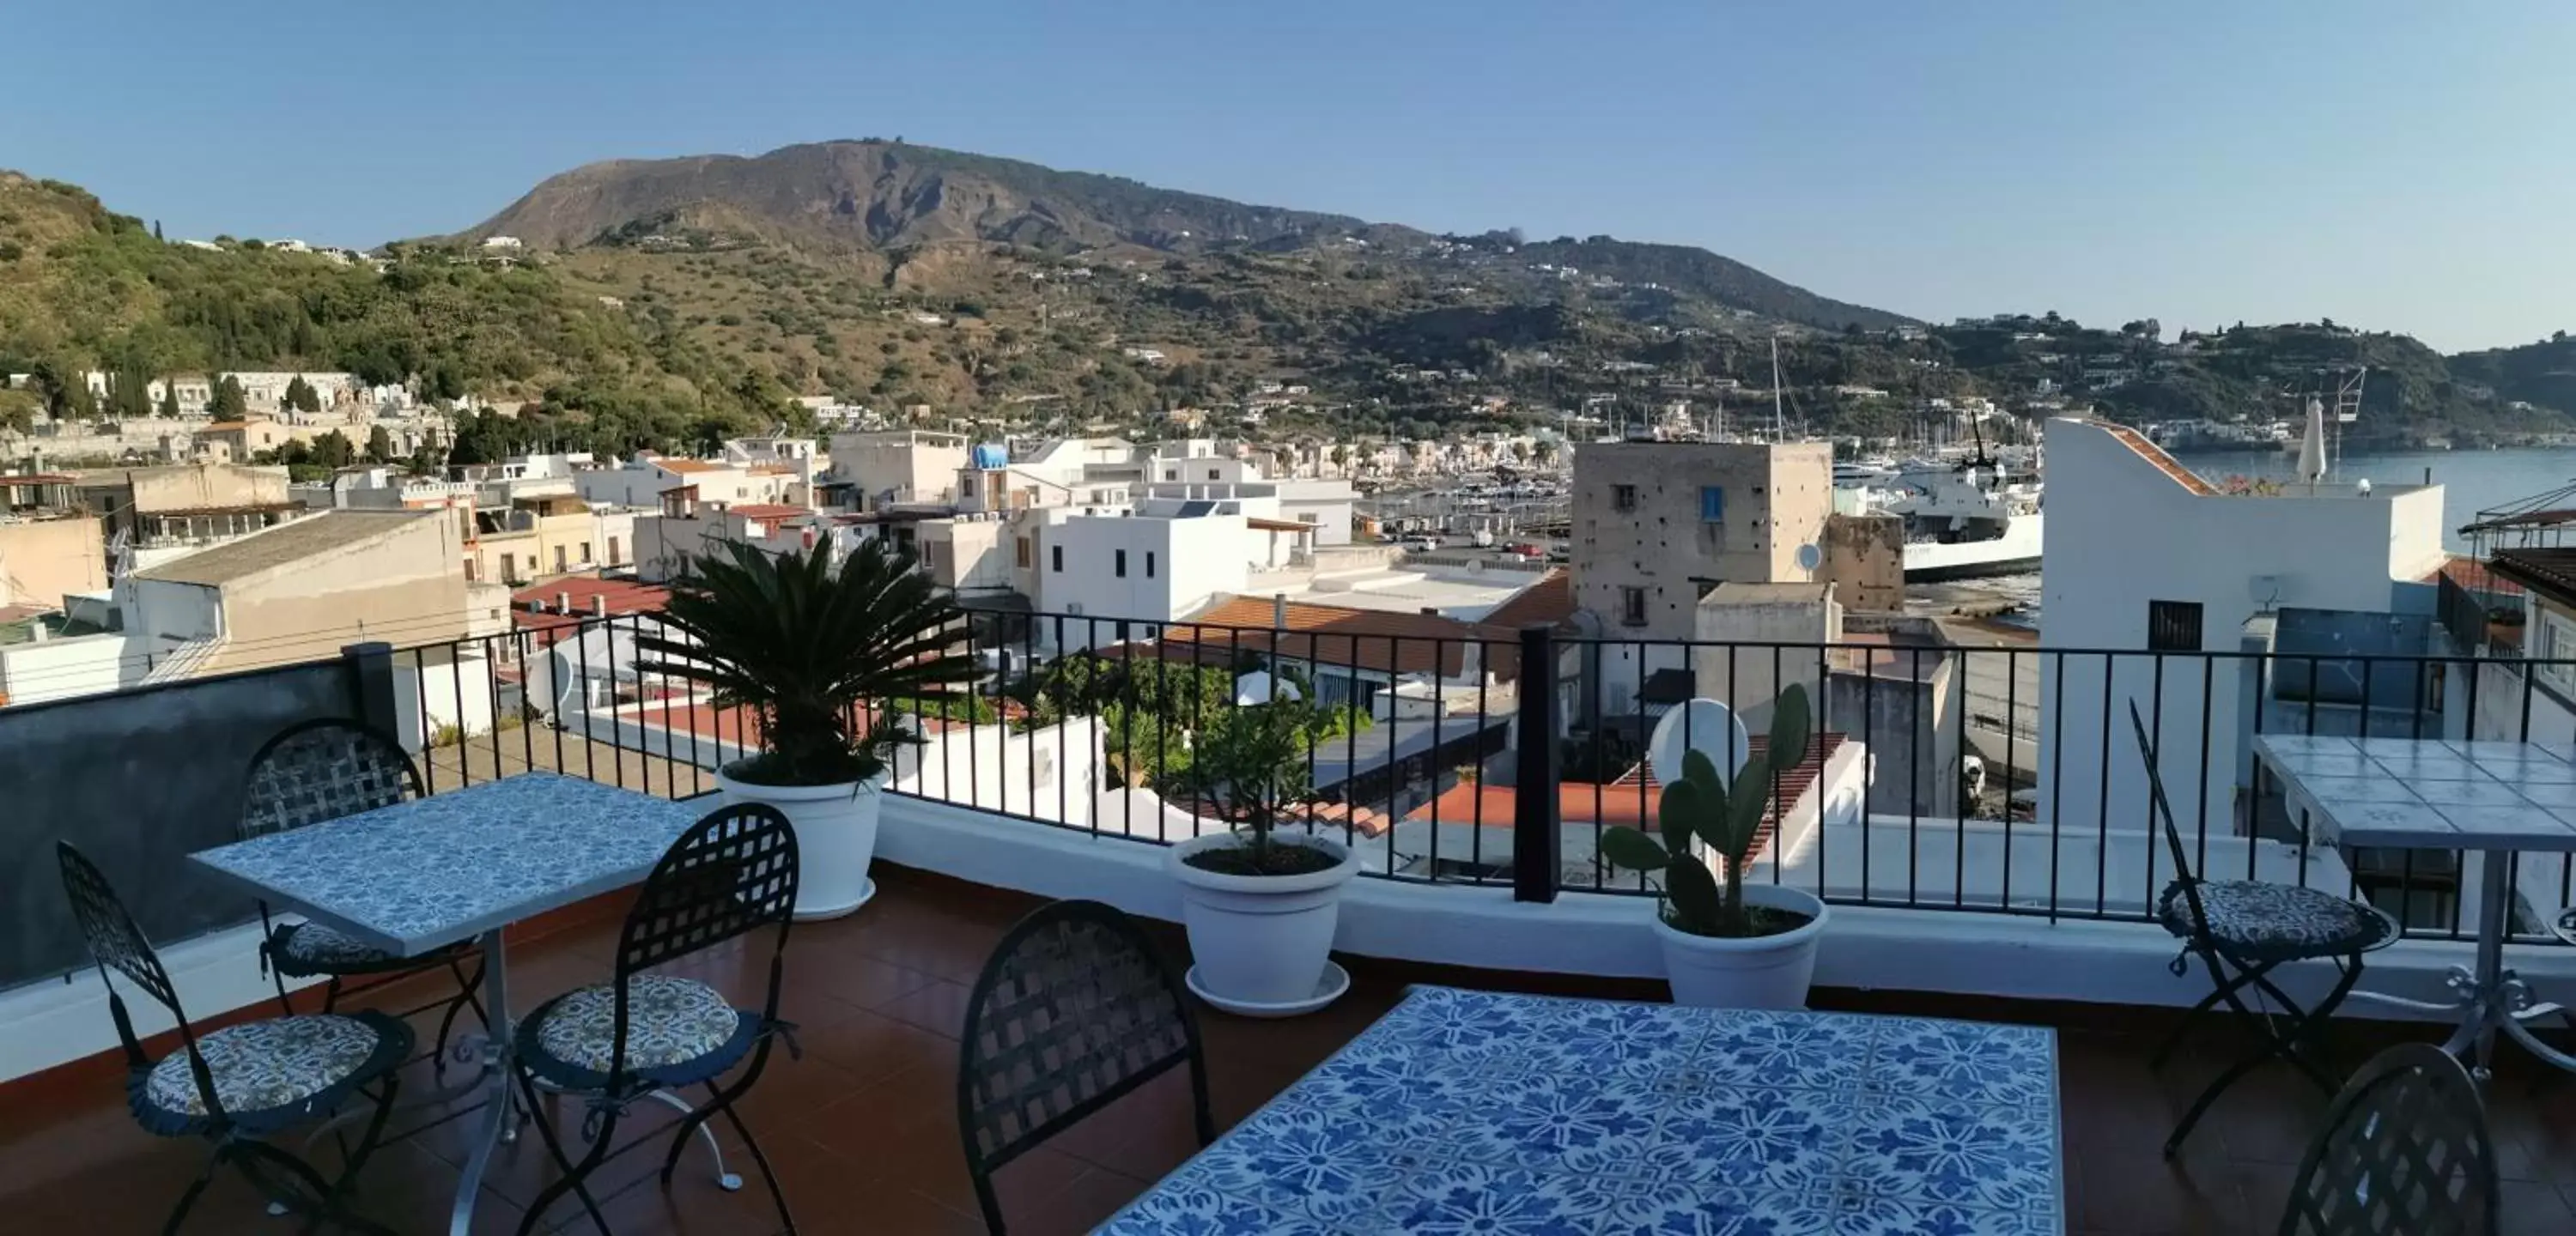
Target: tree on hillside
{"type": "Point", "coordinates": [131, 397]}
{"type": "Point", "coordinates": [230, 402]}
{"type": "Point", "coordinates": [334, 450]}
{"type": "Point", "coordinates": [300, 395]}
{"type": "Point", "coordinates": [380, 445]}
{"type": "Point", "coordinates": [169, 409]}
{"type": "Point", "coordinates": [18, 412]}
{"type": "Point", "coordinates": [156, 229]}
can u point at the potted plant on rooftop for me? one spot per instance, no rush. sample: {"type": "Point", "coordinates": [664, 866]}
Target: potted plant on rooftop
{"type": "Point", "coordinates": [1261, 902]}
{"type": "Point", "coordinates": [1738, 944]}
{"type": "Point", "coordinates": [814, 650]}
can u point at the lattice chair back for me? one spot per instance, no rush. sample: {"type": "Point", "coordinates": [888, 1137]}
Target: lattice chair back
{"type": "Point", "coordinates": [321, 770]}
{"type": "Point", "coordinates": [1075, 1008]}
{"type": "Point", "coordinates": [2183, 874]}
{"type": "Point", "coordinates": [733, 873]}
{"type": "Point", "coordinates": [117, 942]}
{"type": "Point", "coordinates": [2405, 1152]}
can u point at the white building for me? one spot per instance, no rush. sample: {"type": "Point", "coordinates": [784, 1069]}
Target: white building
{"type": "Point", "coordinates": [651, 481]}
{"type": "Point", "coordinates": [1128, 573]}
{"type": "Point", "coordinates": [1324, 505]}
{"type": "Point", "coordinates": [2143, 554]}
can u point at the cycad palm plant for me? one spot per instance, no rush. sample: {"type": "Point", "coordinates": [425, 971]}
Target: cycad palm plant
{"type": "Point", "coordinates": [808, 645]}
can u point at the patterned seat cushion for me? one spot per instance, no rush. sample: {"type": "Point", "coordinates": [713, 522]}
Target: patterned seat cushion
{"type": "Point", "coordinates": [671, 1022]}
{"type": "Point", "coordinates": [2261, 920]}
{"type": "Point", "coordinates": [317, 948]}
{"type": "Point", "coordinates": [263, 1066]}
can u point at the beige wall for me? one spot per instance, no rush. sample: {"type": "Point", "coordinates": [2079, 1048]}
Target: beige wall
{"type": "Point", "coordinates": [1776, 500]}
{"type": "Point", "coordinates": [1865, 561]}
{"type": "Point", "coordinates": [404, 588]}
{"type": "Point", "coordinates": [42, 560]}
{"type": "Point", "coordinates": [194, 487]}
{"type": "Point", "coordinates": [1746, 679]}
{"type": "Point", "coordinates": [921, 468]}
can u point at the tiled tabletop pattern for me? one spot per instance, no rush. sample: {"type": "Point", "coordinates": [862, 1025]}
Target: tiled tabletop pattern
{"type": "Point", "coordinates": [1490, 1112]}
{"type": "Point", "coordinates": [2428, 793]}
{"type": "Point", "coordinates": [424, 874]}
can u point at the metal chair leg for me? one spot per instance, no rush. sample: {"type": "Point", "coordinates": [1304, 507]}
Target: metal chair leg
{"type": "Point", "coordinates": [2174, 1040]}
{"type": "Point", "coordinates": [695, 1120]}
{"type": "Point", "coordinates": [724, 1103]}
{"type": "Point", "coordinates": [196, 1189]}
{"type": "Point", "coordinates": [2282, 1042]}
{"type": "Point", "coordinates": [447, 1021]}
{"type": "Point", "coordinates": [575, 1177]}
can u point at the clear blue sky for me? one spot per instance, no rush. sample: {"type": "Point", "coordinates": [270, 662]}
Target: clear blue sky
{"type": "Point", "coordinates": [2391, 165]}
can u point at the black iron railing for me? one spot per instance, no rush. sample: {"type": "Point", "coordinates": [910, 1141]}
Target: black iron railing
{"type": "Point", "coordinates": [1995, 780]}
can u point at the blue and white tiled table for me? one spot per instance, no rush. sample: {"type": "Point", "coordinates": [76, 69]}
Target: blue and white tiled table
{"type": "Point", "coordinates": [1466, 1111]}
{"type": "Point", "coordinates": [462, 865]}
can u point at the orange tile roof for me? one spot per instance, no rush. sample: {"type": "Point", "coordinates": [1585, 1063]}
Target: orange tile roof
{"type": "Point", "coordinates": [1276, 525]}
{"type": "Point", "coordinates": [690, 465]}
{"type": "Point", "coordinates": [2472, 574]}
{"type": "Point", "coordinates": [772, 470]}
{"type": "Point", "coordinates": [1368, 639]}
{"type": "Point", "coordinates": [767, 510]}
{"type": "Point", "coordinates": [1630, 800]}
{"type": "Point", "coordinates": [1549, 602]}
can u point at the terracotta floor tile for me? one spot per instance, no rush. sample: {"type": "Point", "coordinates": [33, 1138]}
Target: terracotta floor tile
{"type": "Point", "coordinates": [863, 1131]}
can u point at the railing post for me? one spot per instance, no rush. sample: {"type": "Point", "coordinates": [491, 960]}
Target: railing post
{"type": "Point", "coordinates": [371, 685]}
{"type": "Point", "coordinates": [1535, 826]}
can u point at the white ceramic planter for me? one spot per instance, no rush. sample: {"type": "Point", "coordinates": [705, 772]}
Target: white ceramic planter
{"type": "Point", "coordinates": [1768, 972]}
{"type": "Point", "coordinates": [1260, 940]}
{"type": "Point", "coordinates": [836, 835]}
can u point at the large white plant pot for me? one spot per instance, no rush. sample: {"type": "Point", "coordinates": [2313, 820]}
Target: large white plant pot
{"type": "Point", "coordinates": [1260, 941]}
{"type": "Point", "coordinates": [1769, 972]}
{"type": "Point", "coordinates": [836, 835]}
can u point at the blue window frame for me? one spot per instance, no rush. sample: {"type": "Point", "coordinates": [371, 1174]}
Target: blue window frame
{"type": "Point", "coordinates": [1712, 503]}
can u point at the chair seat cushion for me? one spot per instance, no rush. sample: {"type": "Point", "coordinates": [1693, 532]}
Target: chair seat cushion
{"type": "Point", "coordinates": [273, 1072]}
{"type": "Point", "coordinates": [318, 948]}
{"type": "Point", "coordinates": [2259, 920]}
{"type": "Point", "coordinates": [678, 1031]}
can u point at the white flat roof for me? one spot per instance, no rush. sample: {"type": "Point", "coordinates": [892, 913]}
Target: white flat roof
{"type": "Point", "coordinates": [1411, 592]}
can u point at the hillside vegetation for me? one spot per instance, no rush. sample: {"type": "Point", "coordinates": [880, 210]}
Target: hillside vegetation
{"type": "Point", "coordinates": [668, 302]}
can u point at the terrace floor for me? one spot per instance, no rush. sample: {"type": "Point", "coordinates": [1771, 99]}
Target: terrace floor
{"type": "Point", "coordinates": [863, 1134]}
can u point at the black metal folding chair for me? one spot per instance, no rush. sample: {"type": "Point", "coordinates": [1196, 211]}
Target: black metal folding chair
{"type": "Point", "coordinates": [237, 1085]}
{"type": "Point", "coordinates": [644, 1036]}
{"type": "Point", "coordinates": [1075, 1009]}
{"type": "Point", "coordinates": [2243, 930]}
{"type": "Point", "coordinates": [2404, 1152]}
{"type": "Point", "coordinates": [323, 770]}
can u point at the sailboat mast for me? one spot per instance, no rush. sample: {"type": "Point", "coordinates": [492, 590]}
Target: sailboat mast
{"type": "Point", "coordinates": [1779, 426]}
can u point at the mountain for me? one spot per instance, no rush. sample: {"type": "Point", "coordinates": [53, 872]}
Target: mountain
{"type": "Point", "coordinates": [888, 197]}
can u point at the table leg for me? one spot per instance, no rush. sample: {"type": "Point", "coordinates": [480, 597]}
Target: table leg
{"type": "Point", "coordinates": [2495, 904]}
{"type": "Point", "coordinates": [500, 1123]}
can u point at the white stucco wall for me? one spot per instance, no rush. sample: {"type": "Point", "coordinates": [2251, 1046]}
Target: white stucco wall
{"type": "Point", "coordinates": [2122, 534]}
{"type": "Point", "coordinates": [1194, 560]}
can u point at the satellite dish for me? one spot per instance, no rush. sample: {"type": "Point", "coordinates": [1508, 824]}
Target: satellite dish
{"type": "Point", "coordinates": [1701, 725]}
{"type": "Point", "coordinates": [1810, 557]}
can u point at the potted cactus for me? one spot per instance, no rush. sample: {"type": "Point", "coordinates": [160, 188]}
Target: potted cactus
{"type": "Point", "coordinates": [1727, 942]}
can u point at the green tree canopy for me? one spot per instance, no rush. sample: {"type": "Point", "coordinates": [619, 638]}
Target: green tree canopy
{"type": "Point", "coordinates": [230, 403]}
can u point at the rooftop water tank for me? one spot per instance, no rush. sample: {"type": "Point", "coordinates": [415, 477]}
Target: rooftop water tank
{"type": "Point", "coordinates": [992, 455]}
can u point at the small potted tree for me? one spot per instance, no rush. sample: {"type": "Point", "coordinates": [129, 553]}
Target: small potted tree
{"type": "Point", "coordinates": [815, 651]}
{"type": "Point", "coordinates": [1739, 944]}
{"type": "Point", "coordinates": [1261, 902]}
